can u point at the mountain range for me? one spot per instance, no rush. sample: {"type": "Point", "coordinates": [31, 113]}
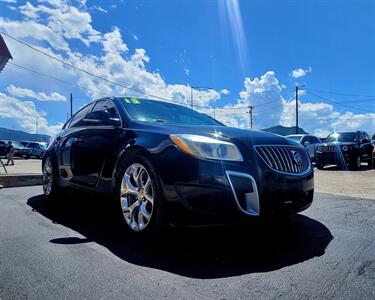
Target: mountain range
{"type": "Point", "coordinates": [19, 135]}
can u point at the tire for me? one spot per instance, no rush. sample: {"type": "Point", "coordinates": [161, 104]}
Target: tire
{"type": "Point", "coordinates": [370, 162]}
{"type": "Point", "coordinates": [356, 164]}
{"type": "Point", "coordinates": [319, 165]}
{"type": "Point", "coordinates": [51, 190]}
{"type": "Point", "coordinates": [140, 204]}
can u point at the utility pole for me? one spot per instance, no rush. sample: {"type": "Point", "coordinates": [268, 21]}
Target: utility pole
{"type": "Point", "coordinates": [71, 104]}
{"type": "Point", "coordinates": [251, 116]}
{"type": "Point", "coordinates": [191, 93]}
{"type": "Point", "coordinates": [296, 109]}
{"type": "Point", "coordinates": [214, 112]}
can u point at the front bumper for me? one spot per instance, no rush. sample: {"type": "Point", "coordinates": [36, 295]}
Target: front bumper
{"type": "Point", "coordinates": [335, 158]}
{"type": "Point", "coordinates": [232, 190]}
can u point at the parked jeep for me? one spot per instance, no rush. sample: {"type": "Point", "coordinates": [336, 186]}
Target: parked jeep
{"type": "Point", "coordinates": [345, 148]}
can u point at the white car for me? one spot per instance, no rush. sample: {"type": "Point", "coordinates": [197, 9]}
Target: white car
{"type": "Point", "coordinates": [308, 141]}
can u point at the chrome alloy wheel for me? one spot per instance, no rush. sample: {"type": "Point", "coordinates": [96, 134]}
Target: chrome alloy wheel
{"type": "Point", "coordinates": [47, 177]}
{"type": "Point", "coordinates": [137, 197]}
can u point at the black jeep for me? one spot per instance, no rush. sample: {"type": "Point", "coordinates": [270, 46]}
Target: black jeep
{"type": "Point", "coordinates": [345, 148]}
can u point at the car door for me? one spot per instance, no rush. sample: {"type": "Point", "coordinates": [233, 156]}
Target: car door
{"type": "Point", "coordinates": [93, 146]}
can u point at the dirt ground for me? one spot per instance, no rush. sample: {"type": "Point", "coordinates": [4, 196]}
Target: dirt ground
{"type": "Point", "coordinates": [359, 183]}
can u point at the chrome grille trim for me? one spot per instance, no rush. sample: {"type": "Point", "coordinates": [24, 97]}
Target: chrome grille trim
{"type": "Point", "coordinates": [280, 159]}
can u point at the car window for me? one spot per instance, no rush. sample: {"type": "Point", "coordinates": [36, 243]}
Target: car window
{"type": "Point", "coordinates": [79, 116]}
{"type": "Point", "coordinates": [314, 140]}
{"type": "Point", "coordinates": [108, 106]}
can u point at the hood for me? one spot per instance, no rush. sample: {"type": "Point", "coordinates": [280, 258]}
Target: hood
{"type": "Point", "coordinates": [221, 132]}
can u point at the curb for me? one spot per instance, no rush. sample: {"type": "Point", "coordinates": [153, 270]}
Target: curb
{"type": "Point", "coordinates": [18, 180]}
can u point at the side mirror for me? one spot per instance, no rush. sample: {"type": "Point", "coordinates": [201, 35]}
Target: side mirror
{"type": "Point", "coordinates": [100, 117]}
{"type": "Point", "coordinates": [306, 143]}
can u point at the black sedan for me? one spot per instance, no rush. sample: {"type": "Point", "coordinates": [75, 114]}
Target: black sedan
{"type": "Point", "coordinates": [163, 163]}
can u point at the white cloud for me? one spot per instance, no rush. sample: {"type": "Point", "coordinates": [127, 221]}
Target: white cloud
{"type": "Point", "coordinates": [297, 73]}
{"type": "Point", "coordinates": [321, 118]}
{"type": "Point", "coordinates": [25, 114]}
{"type": "Point", "coordinates": [63, 19]}
{"type": "Point", "coordinates": [9, 1]}
{"type": "Point", "coordinates": [40, 96]}
{"type": "Point", "coordinates": [99, 8]}
{"type": "Point", "coordinates": [51, 24]}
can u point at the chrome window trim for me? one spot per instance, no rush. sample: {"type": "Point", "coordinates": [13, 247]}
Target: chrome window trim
{"type": "Point", "coordinates": [308, 170]}
{"type": "Point", "coordinates": [255, 192]}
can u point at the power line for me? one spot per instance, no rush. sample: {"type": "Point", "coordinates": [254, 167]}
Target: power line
{"type": "Point", "coordinates": [54, 78]}
{"type": "Point", "coordinates": [343, 94]}
{"type": "Point", "coordinates": [82, 70]}
{"type": "Point", "coordinates": [338, 103]}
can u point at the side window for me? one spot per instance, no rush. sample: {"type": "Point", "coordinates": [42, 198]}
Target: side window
{"type": "Point", "coordinates": [107, 106]}
{"type": "Point", "coordinates": [79, 116]}
{"type": "Point", "coordinates": [314, 140]}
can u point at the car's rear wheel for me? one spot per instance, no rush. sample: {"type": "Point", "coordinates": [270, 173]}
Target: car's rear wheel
{"type": "Point", "coordinates": [139, 195]}
{"type": "Point", "coordinates": [319, 165]}
{"type": "Point", "coordinates": [50, 186]}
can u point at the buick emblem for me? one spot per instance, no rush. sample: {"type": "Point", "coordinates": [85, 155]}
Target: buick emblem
{"type": "Point", "coordinates": [296, 157]}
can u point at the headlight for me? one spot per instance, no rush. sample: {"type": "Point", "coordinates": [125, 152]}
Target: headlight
{"type": "Point", "coordinates": [344, 148]}
{"type": "Point", "coordinates": [206, 147]}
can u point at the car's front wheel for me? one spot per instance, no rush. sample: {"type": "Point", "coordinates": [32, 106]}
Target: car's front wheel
{"type": "Point", "coordinates": [139, 195]}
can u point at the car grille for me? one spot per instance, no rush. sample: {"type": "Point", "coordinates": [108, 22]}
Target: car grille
{"type": "Point", "coordinates": [285, 158]}
{"type": "Point", "coordinates": [329, 149]}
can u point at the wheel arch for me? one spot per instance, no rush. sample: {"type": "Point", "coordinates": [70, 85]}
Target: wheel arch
{"type": "Point", "coordinates": [136, 149]}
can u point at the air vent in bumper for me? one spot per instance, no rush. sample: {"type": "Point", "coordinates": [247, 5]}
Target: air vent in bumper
{"type": "Point", "coordinates": [245, 192]}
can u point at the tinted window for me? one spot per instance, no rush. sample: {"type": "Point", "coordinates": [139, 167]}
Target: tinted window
{"type": "Point", "coordinates": [156, 111]}
{"type": "Point", "coordinates": [107, 106]}
{"type": "Point", "coordinates": [79, 116]}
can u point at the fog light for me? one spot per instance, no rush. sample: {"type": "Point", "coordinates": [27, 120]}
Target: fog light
{"type": "Point", "coordinates": [345, 148]}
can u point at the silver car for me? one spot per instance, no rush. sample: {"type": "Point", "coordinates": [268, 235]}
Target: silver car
{"type": "Point", "coordinates": [308, 141]}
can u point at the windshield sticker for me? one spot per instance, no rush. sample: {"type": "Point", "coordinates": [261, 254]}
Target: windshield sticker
{"type": "Point", "coordinates": [132, 101]}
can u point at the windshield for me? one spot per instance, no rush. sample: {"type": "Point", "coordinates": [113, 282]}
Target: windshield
{"type": "Point", "coordinates": [294, 138]}
{"type": "Point", "coordinates": [162, 112]}
{"type": "Point", "coordinates": [342, 137]}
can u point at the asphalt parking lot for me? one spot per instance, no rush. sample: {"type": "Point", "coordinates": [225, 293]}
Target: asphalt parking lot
{"type": "Point", "coordinates": [76, 250]}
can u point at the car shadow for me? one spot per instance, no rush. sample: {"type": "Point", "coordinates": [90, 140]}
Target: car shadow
{"type": "Point", "coordinates": [213, 252]}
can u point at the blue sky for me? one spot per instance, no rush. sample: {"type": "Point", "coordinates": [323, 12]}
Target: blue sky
{"type": "Point", "coordinates": [249, 48]}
